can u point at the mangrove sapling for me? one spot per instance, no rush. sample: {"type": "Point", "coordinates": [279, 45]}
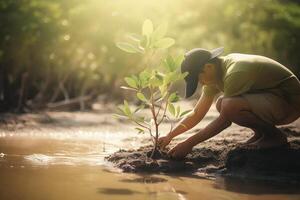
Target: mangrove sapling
{"type": "Point", "coordinates": [152, 86]}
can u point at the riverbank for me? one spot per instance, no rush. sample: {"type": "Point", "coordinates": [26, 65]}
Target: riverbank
{"type": "Point", "coordinates": [220, 155]}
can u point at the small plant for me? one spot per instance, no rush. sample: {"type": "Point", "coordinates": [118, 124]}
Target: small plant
{"type": "Point", "coordinates": [152, 86]}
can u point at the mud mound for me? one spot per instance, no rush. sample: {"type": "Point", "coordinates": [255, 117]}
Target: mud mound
{"type": "Point", "coordinates": [281, 162]}
{"type": "Point", "coordinates": [206, 160]}
{"type": "Point", "coordinates": [140, 161]}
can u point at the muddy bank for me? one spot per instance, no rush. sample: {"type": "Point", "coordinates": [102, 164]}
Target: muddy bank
{"type": "Point", "coordinates": [221, 157]}
{"type": "Point", "coordinates": [205, 159]}
{"type": "Point", "coordinates": [283, 163]}
{"type": "Point", "coordinates": [139, 161]}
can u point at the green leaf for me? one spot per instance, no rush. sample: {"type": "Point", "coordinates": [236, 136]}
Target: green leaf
{"type": "Point", "coordinates": [119, 116]}
{"type": "Point", "coordinates": [121, 109]}
{"type": "Point", "coordinates": [140, 119]}
{"type": "Point", "coordinates": [171, 78]}
{"type": "Point", "coordinates": [126, 108]}
{"type": "Point", "coordinates": [129, 48]}
{"type": "Point", "coordinates": [135, 37]}
{"type": "Point", "coordinates": [144, 78]}
{"type": "Point", "coordinates": [155, 82]}
{"type": "Point", "coordinates": [184, 113]}
{"type": "Point", "coordinates": [136, 79]}
{"type": "Point", "coordinates": [178, 61]}
{"type": "Point", "coordinates": [173, 97]}
{"type": "Point", "coordinates": [141, 96]}
{"type": "Point", "coordinates": [140, 130]}
{"type": "Point", "coordinates": [183, 75]}
{"type": "Point", "coordinates": [139, 108]}
{"type": "Point", "coordinates": [164, 43]}
{"type": "Point", "coordinates": [144, 42]}
{"type": "Point", "coordinates": [160, 31]}
{"type": "Point", "coordinates": [177, 111]}
{"type": "Point", "coordinates": [144, 75]}
{"type": "Point", "coordinates": [171, 109]}
{"type": "Point", "coordinates": [163, 90]}
{"type": "Point", "coordinates": [122, 113]}
{"type": "Point", "coordinates": [147, 27]}
{"type": "Point", "coordinates": [131, 82]}
{"type": "Point", "coordinates": [169, 63]}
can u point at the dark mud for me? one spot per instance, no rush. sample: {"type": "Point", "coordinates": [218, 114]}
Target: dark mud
{"type": "Point", "coordinates": [139, 161]}
{"type": "Point", "coordinates": [221, 157]}
{"type": "Point", "coordinates": [276, 163]}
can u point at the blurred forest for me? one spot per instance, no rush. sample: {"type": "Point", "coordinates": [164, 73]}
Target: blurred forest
{"type": "Point", "coordinates": [56, 51]}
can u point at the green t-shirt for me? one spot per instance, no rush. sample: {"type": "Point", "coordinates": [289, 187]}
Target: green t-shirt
{"type": "Point", "coordinates": [243, 73]}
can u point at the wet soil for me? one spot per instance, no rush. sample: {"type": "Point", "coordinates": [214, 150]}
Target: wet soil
{"type": "Point", "coordinates": [221, 157]}
{"type": "Point", "coordinates": [139, 161]}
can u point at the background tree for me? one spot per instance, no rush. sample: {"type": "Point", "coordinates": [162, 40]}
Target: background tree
{"type": "Point", "coordinates": [54, 51]}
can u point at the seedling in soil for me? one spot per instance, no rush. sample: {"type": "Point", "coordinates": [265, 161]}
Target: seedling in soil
{"type": "Point", "coordinates": [152, 86]}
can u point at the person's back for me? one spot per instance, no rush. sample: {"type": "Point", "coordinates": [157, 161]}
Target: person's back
{"type": "Point", "coordinates": [245, 73]}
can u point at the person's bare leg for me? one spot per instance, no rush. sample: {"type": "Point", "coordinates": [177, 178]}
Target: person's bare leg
{"type": "Point", "coordinates": [257, 133]}
{"type": "Point", "coordinates": [256, 136]}
{"type": "Point", "coordinates": [238, 111]}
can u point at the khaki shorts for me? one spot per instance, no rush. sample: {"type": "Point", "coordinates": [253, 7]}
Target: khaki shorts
{"type": "Point", "coordinates": [269, 107]}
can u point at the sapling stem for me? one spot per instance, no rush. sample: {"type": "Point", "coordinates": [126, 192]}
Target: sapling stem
{"type": "Point", "coordinates": [155, 121]}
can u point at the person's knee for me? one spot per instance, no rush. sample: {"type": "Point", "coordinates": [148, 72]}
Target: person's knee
{"type": "Point", "coordinates": [226, 107]}
{"type": "Point", "coordinates": [230, 107]}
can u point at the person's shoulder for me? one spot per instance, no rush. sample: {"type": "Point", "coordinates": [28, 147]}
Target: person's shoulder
{"type": "Point", "coordinates": [240, 57]}
{"type": "Point", "coordinates": [237, 62]}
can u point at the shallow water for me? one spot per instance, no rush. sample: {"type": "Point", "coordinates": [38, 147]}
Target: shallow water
{"type": "Point", "coordinates": [49, 162]}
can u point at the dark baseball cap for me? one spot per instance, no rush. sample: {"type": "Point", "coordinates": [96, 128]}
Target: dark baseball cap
{"type": "Point", "coordinates": [193, 62]}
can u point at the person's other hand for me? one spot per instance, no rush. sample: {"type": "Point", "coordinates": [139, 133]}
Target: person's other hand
{"type": "Point", "coordinates": [180, 150]}
{"type": "Point", "coordinates": [164, 141]}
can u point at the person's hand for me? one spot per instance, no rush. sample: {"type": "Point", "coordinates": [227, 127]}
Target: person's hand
{"type": "Point", "coordinates": [180, 150]}
{"type": "Point", "coordinates": [164, 141]}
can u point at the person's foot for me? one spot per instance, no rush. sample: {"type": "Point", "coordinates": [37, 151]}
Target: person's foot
{"type": "Point", "coordinates": [269, 141]}
{"type": "Point", "coordinates": [247, 144]}
{"type": "Point", "coordinates": [254, 138]}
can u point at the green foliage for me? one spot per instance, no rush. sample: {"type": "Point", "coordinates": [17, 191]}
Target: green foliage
{"type": "Point", "coordinates": [141, 97]}
{"type": "Point", "coordinates": [129, 48]}
{"type": "Point", "coordinates": [152, 86]}
{"type": "Point", "coordinates": [147, 28]}
{"type": "Point", "coordinates": [67, 48]}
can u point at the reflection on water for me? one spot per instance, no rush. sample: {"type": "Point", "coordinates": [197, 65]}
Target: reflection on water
{"type": "Point", "coordinates": [144, 179]}
{"type": "Point", "coordinates": [241, 185]}
{"type": "Point", "coordinates": [69, 164]}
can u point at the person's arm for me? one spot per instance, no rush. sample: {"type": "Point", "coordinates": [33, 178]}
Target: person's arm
{"type": "Point", "coordinates": [215, 127]}
{"type": "Point", "coordinates": [212, 129]}
{"type": "Point", "coordinates": [193, 118]}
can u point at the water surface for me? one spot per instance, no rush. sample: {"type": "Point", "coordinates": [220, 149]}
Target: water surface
{"type": "Point", "coordinates": [52, 162]}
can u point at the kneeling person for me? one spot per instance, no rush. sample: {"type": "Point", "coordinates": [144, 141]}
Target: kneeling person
{"type": "Point", "coordinates": [258, 93]}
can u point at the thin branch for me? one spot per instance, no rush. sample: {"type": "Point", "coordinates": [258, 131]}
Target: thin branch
{"type": "Point", "coordinates": [152, 107]}
{"type": "Point", "coordinates": [141, 125]}
{"type": "Point", "coordinates": [160, 106]}
{"type": "Point", "coordinates": [165, 110]}
{"type": "Point", "coordinates": [164, 114]}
